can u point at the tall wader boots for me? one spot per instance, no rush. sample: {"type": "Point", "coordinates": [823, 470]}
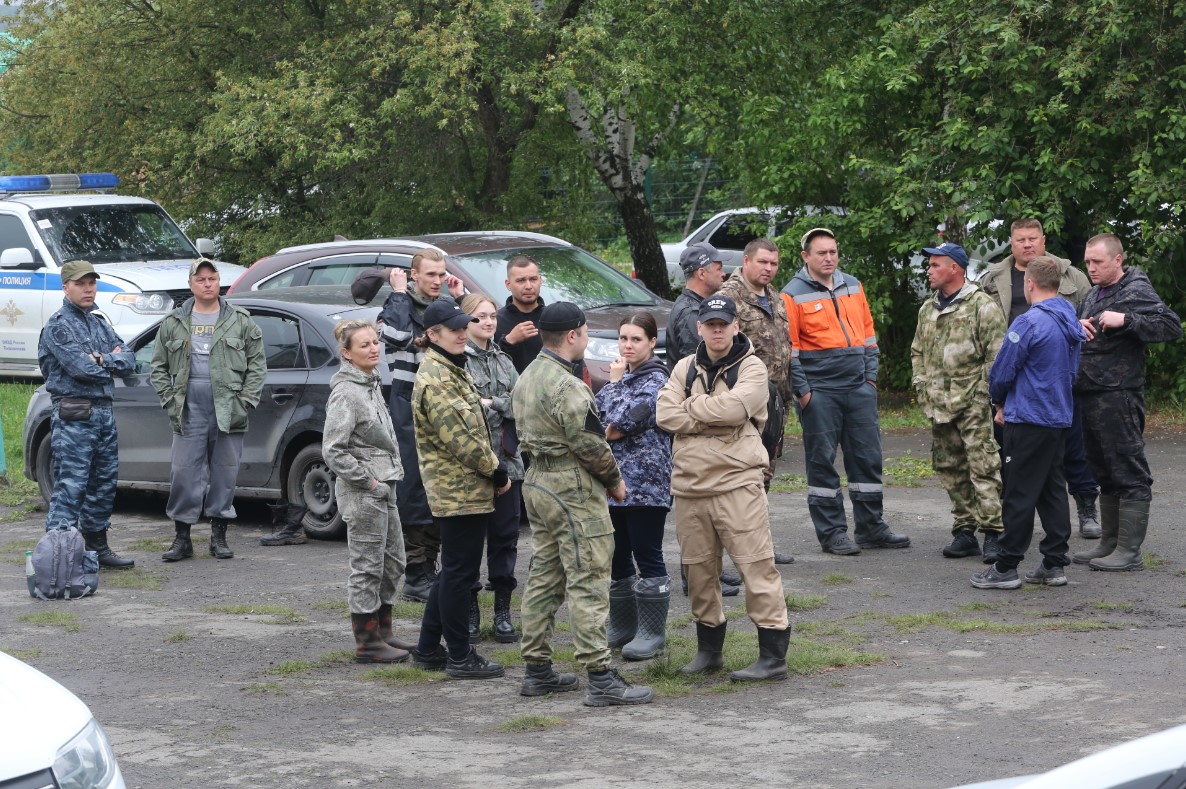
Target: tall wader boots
{"type": "Point", "coordinates": [218, 547]}
{"type": "Point", "coordinates": [1109, 529]}
{"type": "Point", "coordinates": [1134, 522]}
{"type": "Point", "coordinates": [504, 628]}
{"type": "Point", "coordinates": [417, 583]}
{"type": "Point", "coordinates": [710, 648]}
{"type": "Point", "coordinates": [97, 541]}
{"type": "Point", "coordinates": [287, 525]}
{"type": "Point", "coordinates": [540, 679]}
{"type": "Point", "coordinates": [772, 657]}
{"type": "Point", "coordinates": [368, 646]}
{"type": "Point", "coordinates": [654, 597]}
{"type": "Point", "coordinates": [607, 688]}
{"type": "Point", "coordinates": [182, 547]}
{"type": "Point", "coordinates": [387, 634]}
{"type": "Point", "coordinates": [623, 612]}
{"type": "Point", "coordinates": [1089, 522]}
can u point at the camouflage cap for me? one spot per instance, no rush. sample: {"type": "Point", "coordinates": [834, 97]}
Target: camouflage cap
{"type": "Point", "coordinates": [77, 269]}
{"type": "Point", "coordinates": [198, 263]}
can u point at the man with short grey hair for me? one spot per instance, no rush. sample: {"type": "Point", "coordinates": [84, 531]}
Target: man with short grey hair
{"type": "Point", "coordinates": [704, 273]}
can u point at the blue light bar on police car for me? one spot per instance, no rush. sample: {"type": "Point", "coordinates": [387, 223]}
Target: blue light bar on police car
{"type": "Point", "coordinates": [70, 182]}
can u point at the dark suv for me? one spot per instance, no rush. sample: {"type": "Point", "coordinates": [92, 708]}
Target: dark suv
{"type": "Point", "coordinates": [479, 260]}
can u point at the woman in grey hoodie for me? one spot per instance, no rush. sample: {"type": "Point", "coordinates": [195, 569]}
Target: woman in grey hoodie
{"type": "Point", "coordinates": [359, 447]}
{"type": "Point", "coordinates": [494, 377]}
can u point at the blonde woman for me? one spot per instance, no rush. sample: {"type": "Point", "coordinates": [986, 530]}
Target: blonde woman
{"type": "Point", "coordinates": [359, 446]}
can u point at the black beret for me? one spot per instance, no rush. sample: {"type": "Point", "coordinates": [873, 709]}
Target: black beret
{"type": "Point", "coordinates": [561, 316]}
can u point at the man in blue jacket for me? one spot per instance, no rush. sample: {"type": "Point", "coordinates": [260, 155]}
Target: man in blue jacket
{"type": "Point", "coordinates": [1030, 386]}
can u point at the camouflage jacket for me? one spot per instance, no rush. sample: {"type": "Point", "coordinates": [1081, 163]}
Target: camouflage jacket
{"type": "Point", "coordinates": [69, 340]}
{"type": "Point", "coordinates": [495, 378]}
{"type": "Point", "coordinates": [452, 439]}
{"type": "Point", "coordinates": [557, 418]}
{"type": "Point", "coordinates": [358, 441]}
{"type": "Point", "coordinates": [644, 451]}
{"type": "Point", "coordinates": [953, 350]}
{"type": "Point", "coordinates": [768, 329]}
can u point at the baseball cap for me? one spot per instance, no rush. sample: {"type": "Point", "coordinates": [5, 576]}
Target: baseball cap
{"type": "Point", "coordinates": [77, 269]}
{"type": "Point", "coordinates": [812, 233]}
{"type": "Point", "coordinates": [367, 284]}
{"type": "Point", "coordinates": [718, 308]}
{"type": "Point", "coordinates": [199, 263]}
{"type": "Point", "coordinates": [697, 256]}
{"type": "Point", "coordinates": [561, 316]}
{"type": "Point", "coordinates": [444, 311]}
{"type": "Point", "coordinates": [951, 250]}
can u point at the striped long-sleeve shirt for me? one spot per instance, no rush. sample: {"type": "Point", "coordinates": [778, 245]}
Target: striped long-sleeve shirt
{"type": "Point", "coordinates": [400, 322]}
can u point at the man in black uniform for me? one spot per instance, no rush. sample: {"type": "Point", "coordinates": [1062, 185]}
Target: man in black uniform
{"type": "Point", "coordinates": [1121, 315]}
{"type": "Point", "coordinates": [517, 332]}
{"type": "Point", "coordinates": [704, 273]}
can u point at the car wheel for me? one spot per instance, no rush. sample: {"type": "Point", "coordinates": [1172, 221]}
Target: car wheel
{"type": "Point", "coordinates": [311, 483]}
{"type": "Point", "coordinates": [45, 468]}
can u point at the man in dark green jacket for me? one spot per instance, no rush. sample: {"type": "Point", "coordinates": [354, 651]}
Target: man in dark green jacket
{"type": "Point", "coordinates": [208, 369]}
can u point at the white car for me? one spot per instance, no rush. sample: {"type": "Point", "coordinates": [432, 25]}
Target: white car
{"type": "Point", "coordinates": [51, 740]}
{"type": "Point", "coordinates": [728, 231]}
{"type": "Point", "coordinates": [1154, 762]}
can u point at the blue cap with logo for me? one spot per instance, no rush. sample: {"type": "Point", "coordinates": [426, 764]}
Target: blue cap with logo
{"type": "Point", "coordinates": [950, 250]}
{"type": "Point", "coordinates": [697, 256]}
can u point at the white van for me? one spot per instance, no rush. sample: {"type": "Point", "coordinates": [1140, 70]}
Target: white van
{"type": "Point", "coordinates": [142, 258]}
{"type": "Point", "coordinates": [50, 737]}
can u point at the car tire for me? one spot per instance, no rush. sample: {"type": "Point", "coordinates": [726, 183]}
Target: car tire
{"type": "Point", "coordinates": [44, 465]}
{"type": "Point", "coordinates": [311, 483]}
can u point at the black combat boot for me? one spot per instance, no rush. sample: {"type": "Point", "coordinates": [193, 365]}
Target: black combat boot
{"type": "Point", "coordinates": [218, 547]}
{"type": "Point", "coordinates": [97, 541]}
{"type": "Point", "coordinates": [607, 688]}
{"type": "Point", "coordinates": [772, 657]}
{"type": "Point", "coordinates": [475, 619]}
{"type": "Point", "coordinates": [540, 679]}
{"type": "Point", "coordinates": [504, 628]}
{"type": "Point", "coordinates": [387, 634]}
{"type": "Point", "coordinates": [623, 612]}
{"type": "Point", "coordinates": [430, 661]}
{"type": "Point", "coordinates": [654, 597]}
{"type": "Point", "coordinates": [710, 647]}
{"type": "Point", "coordinates": [287, 525]}
{"type": "Point", "coordinates": [416, 583]}
{"type": "Point", "coordinates": [182, 547]}
{"type": "Point", "coordinates": [962, 544]}
{"type": "Point", "coordinates": [368, 647]}
{"type": "Point", "coordinates": [1089, 521]}
{"type": "Point", "coordinates": [473, 666]}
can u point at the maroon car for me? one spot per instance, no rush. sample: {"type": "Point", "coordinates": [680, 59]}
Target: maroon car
{"type": "Point", "coordinates": [479, 260]}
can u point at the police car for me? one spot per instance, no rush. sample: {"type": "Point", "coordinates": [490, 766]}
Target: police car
{"type": "Point", "coordinates": [142, 258]}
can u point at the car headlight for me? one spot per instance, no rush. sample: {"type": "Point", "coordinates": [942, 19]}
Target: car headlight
{"type": "Point", "coordinates": [87, 761]}
{"type": "Point", "coordinates": [600, 350]}
{"type": "Point", "coordinates": [145, 303]}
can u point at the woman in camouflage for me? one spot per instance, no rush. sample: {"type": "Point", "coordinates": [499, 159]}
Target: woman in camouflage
{"type": "Point", "coordinates": [358, 444]}
{"type": "Point", "coordinates": [462, 476]}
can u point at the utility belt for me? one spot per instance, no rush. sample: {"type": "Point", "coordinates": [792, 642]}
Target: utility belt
{"type": "Point", "coordinates": [553, 462]}
{"type": "Point", "coordinates": [78, 409]}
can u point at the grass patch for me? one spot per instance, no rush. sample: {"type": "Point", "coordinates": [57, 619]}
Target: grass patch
{"type": "Point", "coordinates": [274, 688]}
{"type": "Point", "coordinates": [336, 657]}
{"type": "Point", "coordinates": [14, 551]}
{"type": "Point", "coordinates": [523, 723]}
{"type": "Point", "coordinates": [805, 602]}
{"type": "Point", "coordinates": [401, 676]}
{"type": "Point", "coordinates": [149, 545]}
{"type": "Point", "coordinates": [132, 578]}
{"type": "Point", "coordinates": [281, 615]}
{"type": "Point", "coordinates": [880, 596]}
{"type": "Point", "coordinates": [222, 731]}
{"type": "Point", "coordinates": [906, 470]}
{"type": "Point", "coordinates": [290, 668]}
{"type": "Point", "coordinates": [913, 623]}
{"type": "Point", "coordinates": [1154, 562]}
{"type": "Point", "coordinates": [342, 606]}
{"type": "Point", "coordinates": [405, 609]}
{"type": "Point", "coordinates": [15, 490]}
{"type": "Point", "coordinates": [506, 657]}
{"type": "Point", "coordinates": [22, 654]}
{"type": "Point", "coordinates": [738, 611]}
{"type": "Point", "coordinates": [836, 579]}
{"type": "Point", "coordinates": [178, 637]}
{"type": "Point", "coordinates": [1104, 605]}
{"type": "Point", "coordinates": [981, 605]}
{"type": "Point", "coordinates": [680, 622]}
{"type": "Point", "coordinates": [788, 483]}
{"type": "Point", "coordinates": [63, 619]}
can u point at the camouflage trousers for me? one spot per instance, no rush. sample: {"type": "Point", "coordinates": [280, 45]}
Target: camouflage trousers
{"type": "Point", "coordinates": [86, 464]}
{"type": "Point", "coordinates": [572, 542]}
{"type": "Point", "coordinates": [964, 455]}
{"type": "Point", "coordinates": [376, 545]}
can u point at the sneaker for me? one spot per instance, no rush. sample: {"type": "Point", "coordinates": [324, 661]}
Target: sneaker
{"type": "Point", "coordinates": [887, 539]}
{"type": "Point", "coordinates": [1051, 576]}
{"type": "Point", "coordinates": [430, 661]}
{"type": "Point", "coordinates": [783, 558]}
{"type": "Point", "coordinates": [474, 666]}
{"type": "Point", "coordinates": [841, 546]}
{"type": "Point", "coordinates": [992, 548]}
{"type": "Point", "coordinates": [992, 578]}
{"type": "Point", "coordinates": [963, 544]}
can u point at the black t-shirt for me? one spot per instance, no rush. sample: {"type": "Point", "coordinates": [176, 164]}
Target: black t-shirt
{"type": "Point", "coordinates": [1018, 305]}
{"type": "Point", "coordinates": [522, 353]}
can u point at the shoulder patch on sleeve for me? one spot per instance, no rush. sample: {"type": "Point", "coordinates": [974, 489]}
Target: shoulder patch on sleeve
{"type": "Point", "coordinates": [1014, 337]}
{"type": "Point", "coordinates": [593, 423]}
{"type": "Point", "coordinates": [61, 335]}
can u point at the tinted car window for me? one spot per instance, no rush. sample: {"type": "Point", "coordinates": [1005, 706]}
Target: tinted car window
{"type": "Point", "coordinates": [105, 233]}
{"type": "Point", "coordinates": [282, 341]}
{"type": "Point", "coordinates": [318, 349]}
{"type": "Point", "coordinates": [737, 231]}
{"type": "Point", "coordinates": [338, 270]}
{"type": "Point", "coordinates": [285, 280]}
{"type": "Point", "coordinates": [569, 274]}
{"type": "Point", "coordinates": [12, 234]}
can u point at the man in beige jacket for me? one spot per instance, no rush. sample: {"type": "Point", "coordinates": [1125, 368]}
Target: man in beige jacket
{"type": "Point", "coordinates": [714, 405]}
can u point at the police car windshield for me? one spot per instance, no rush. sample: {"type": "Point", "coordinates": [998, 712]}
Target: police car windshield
{"type": "Point", "coordinates": [111, 233]}
{"type": "Point", "coordinates": [569, 274]}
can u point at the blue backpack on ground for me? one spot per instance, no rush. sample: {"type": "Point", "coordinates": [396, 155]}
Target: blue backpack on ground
{"type": "Point", "coordinates": [63, 568]}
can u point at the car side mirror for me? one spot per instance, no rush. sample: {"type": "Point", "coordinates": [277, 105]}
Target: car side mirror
{"type": "Point", "coordinates": [16, 257]}
{"type": "Point", "coordinates": [206, 247]}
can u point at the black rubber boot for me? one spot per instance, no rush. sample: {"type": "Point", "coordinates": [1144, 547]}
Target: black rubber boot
{"type": "Point", "coordinates": [97, 541]}
{"type": "Point", "coordinates": [623, 612]}
{"type": "Point", "coordinates": [287, 524]}
{"type": "Point", "coordinates": [368, 647]}
{"type": "Point", "coordinates": [607, 688]}
{"type": "Point", "coordinates": [710, 647]}
{"type": "Point", "coordinates": [540, 680]}
{"type": "Point", "coordinates": [772, 657]}
{"type": "Point", "coordinates": [1134, 523]}
{"type": "Point", "coordinates": [1109, 530]}
{"type": "Point", "coordinates": [416, 583]}
{"type": "Point", "coordinates": [387, 634]}
{"type": "Point", "coordinates": [182, 547]}
{"type": "Point", "coordinates": [504, 628]}
{"type": "Point", "coordinates": [475, 619]}
{"type": "Point", "coordinates": [654, 597]}
{"type": "Point", "coordinates": [218, 547]}
{"type": "Point", "coordinates": [474, 666]}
